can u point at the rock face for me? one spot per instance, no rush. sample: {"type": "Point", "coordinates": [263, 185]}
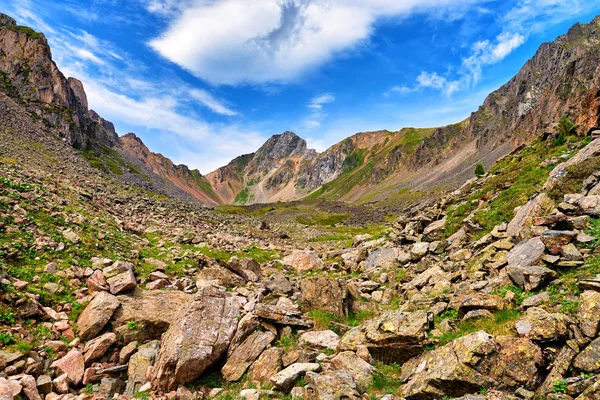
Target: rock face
{"type": "Point", "coordinates": [392, 337]}
{"type": "Point", "coordinates": [239, 361]}
{"type": "Point", "coordinates": [36, 81]}
{"type": "Point", "coordinates": [197, 338]}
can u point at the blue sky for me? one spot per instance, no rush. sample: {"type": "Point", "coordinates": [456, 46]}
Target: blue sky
{"type": "Point", "coordinates": [203, 81]}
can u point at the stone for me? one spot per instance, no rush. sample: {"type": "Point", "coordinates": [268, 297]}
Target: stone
{"type": "Point", "coordinates": [589, 359]}
{"type": "Point", "coordinates": [381, 258]}
{"type": "Point", "coordinates": [452, 370]}
{"type": "Point", "coordinates": [281, 316]}
{"type": "Point", "coordinates": [9, 388]}
{"type": "Point", "coordinates": [267, 365]}
{"type": "Point", "coordinates": [482, 301]}
{"type": "Point", "coordinates": [391, 337]}
{"type": "Point", "coordinates": [475, 315]}
{"type": "Point", "coordinates": [151, 310]}
{"type": "Point", "coordinates": [61, 384]}
{"type": "Point", "coordinates": [285, 379]}
{"type": "Point", "coordinates": [44, 384]}
{"type": "Point", "coordinates": [279, 283]}
{"type": "Point", "coordinates": [360, 370]}
{"type": "Point", "coordinates": [461, 255]}
{"type": "Point", "coordinates": [120, 277]}
{"type": "Point", "coordinates": [517, 363]}
{"type": "Point", "coordinates": [542, 326]}
{"type": "Point", "coordinates": [219, 276]}
{"type": "Point", "coordinates": [526, 253]}
{"type": "Point", "coordinates": [560, 171]}
{"type": "Point", "coordinates": [530, 278]}
{"type": "Point", "coordinates": [520, 226]}
{"type": "Point", "coordinates": [30, 388]}
{"type": "Point", "coordinates": [96, 348]}
{"type": "Point", "coordinates": [70, 235]}
{"type": "Point", "coordinates": [139, 363]}
{"type": "Point", "coordinates": [96, 282]}
{"type": "Point", "coordinates": [589, 205]}
{"type": "Point", "coordinates": [304, 261]}
{"type": "Point", "coordinates": [419, 250]}
{"type": "Point", "coordinates": [435, 230]}
{"type": "Point", "coordinates": [331, 385]}
{"type": "Point", "coordinates": [320, 339]}
{"type": "Point", "coordinates": [536, 300]}
{"type": "Point", "coordinates": [588, 313]}
{"type": "Point", "coordinates": [329, 295]}
{"type": "Point", "coordinates": [73, 365]}
{"type": "Point", "coordinates": [198, 337]}
{"type": "Point", "coordinates": [570, 253]}
{"type": "Point", "coordinates": [247, 268]}
{"type": "Point", "coordinates": [555, 240]}
{"type": "Point", "coordinates": [126, 352]}
{"type": "Point", "coordinates": [239, 361]}
{"type": "Point", "coordinates": [96, 315]}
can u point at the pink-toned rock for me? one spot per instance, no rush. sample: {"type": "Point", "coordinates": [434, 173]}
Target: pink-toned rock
{"type": "Point", "coordinates": [73, 365]}
{"type": "Point", "coordinates": [96, 282]}
{"type": "Point", "coordinates": [96, 348]}
{"type": "Point", "coordinates": [96, 315]}
{"type": "Point", "coordinates": [303, 261]}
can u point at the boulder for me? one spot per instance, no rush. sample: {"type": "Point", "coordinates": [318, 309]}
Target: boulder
{"type": "Point", "coordinates": [137, 368]}
{"type": "Point", "coordinates": [73, 365]}
{"type": "Point", "coordinates": [29, 388]}
{"type": "Point", "coordinates": [528, 252]}
{"type": "Point", "coordinates": [530, 278]}
{"type": "Point", "coordinates": [285, 379]}
{"type": "Point", "coordinates": [482, 301]}
{"type": "Point", "coordinates": [329, 295]}
{"type": "Point", "coordinates": [589, 205]}
{"type": "Point", "coordinates": [435, 230]}
{"type": "Point", "coordinates": [320, 339]}
{"type": "Point", "coordinates": [589, 359]}
{"type": "Point", "coordinates": [554, 240]}
{"type": "Point", "coordinates": [95, 316]}
{"type": "Point", "coordinates": [96, 348]}
{"type": "Point", "coordinates": [560, 171]}
{"type": "Point", "coordinates": [381, 258]}
{"type": "Point", "coordinates": [281, 316]}
{"type": "Point", "coordinates": [219, 276]}
{"type": "Point", "coordinates": [247, 268]}
{"type": "Point", "coordinates": [542, 326]}
{"type": "Point", "coordinates": [391, 337]}
{"type": "Point", "coordinates": [279, 283]}
{"type": "Point", "coordinates": [588, 313]}
{"type": "Point", "coordinates": [520, 225]}
{"type": "Point", "coordinates": [266, 366]}
{"type": "Point", "coordinates": [151, 310]}
{"type": "Point", "coordinates": [198, 338]}
{"type": "Point", "coordinates": [239, 361]}
{"type": "Point", "coordinates": [120, 277]}
{"type": "Point", "coordinates": [331, 385]}
{"type": "Point", "coordinates": [304, 261]}
{"type": "Point", "coordinates": [247, 325]}
{"type": "Point", "coordinates": [9, 388]}
{"type": "Point", "coordinates": [360, 370]}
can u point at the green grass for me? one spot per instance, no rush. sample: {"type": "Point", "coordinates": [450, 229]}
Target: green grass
{"type": "Point", "coordinates": [325, 320]}
{"type": "Point", "coordinates": [26, 31]}
{"type": "Point", "coordinates": [243, 196]}
{"type": "Point", "coordinates": [502, 323]}
{"type": "Point", "coordinates": [515, 179]}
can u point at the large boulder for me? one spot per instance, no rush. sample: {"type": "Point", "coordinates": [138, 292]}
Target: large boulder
{"type": "Point", "coordinates": [239, 361]}
{"type": "Point", "coordinates": [304, 261]}
{"type": "Point", "coordinates": [331, 385]}
{"type": "Point", "coordinates": [589, 359]}
{"type": "Point", "coordinates": [197, 339]}
{"type": "Point", "coordinates": [329, 295]}
{"type": "Point", "coordinates": [73, 365]}
{"type": "Point", "coordinates": [137, 368]}
{"type": "Point", "coordinates": [320, 339]}
{"type": "Point", "coordinates": [120, 277]}
{"type": "Point", "coordinates": [285, 379]}
{"type": "Point", "coordinates": [526, 253]}
{"type": "Point", "coordinates": [152, 311]}
{"type": "Point", "coordinates": [358, 368]}
{"type": "Point", "coordinates": [472, 362]}
{"type": "Point", "coordinates": [520, 226]}
{"type": "Point", "coordinates": [95, 316]}
{"type": "Point", "coordinates": [381, 258]}
{"type": "Point", "coordinates": [267, 365]}
{"type": "Point", "coordinates": [530, 277]}
{"type": "Point", "coordinates": [391, 337]}
{"type": "Point", "coordinates": [541, 326]}
{"type": "Point", "coordinates": [247, 268]}
{"type": "Point", "coordinates": [96, 348]}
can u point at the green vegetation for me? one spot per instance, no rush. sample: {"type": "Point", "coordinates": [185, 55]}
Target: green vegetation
{"type": "Point", "coordinates": [26, 31]}
{"type": "Point", "coordinates": [387, 380]}
{"type": "Point", "coordinates": [560, 386]}
{"type": "Point", "coordinates": [6, 339]}
{"type": "Point", "coordinates": [132, 325]}
{"type": "Point", "coordinates": [514, 180]}
{"type": "Point", "coordinates": [322, 220]}
{"type": "Point", "coordinates": [242, 197]}
{"type": "Point", "coordinates": [325, 320]}
{"type": "Point", "coordinates": [479, 170]}
{"type": "Point", "coordinates": [502, 323]}
{"type": "Point", "coordinates": [141, 395]}
{"type": "Point", "coordinates": [354, 160]}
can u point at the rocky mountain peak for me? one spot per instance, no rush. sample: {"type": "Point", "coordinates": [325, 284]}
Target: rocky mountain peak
{"type": "Point", "coordinates": [5, 20]}
{"type": "Point", "coordinates": [287, 144]}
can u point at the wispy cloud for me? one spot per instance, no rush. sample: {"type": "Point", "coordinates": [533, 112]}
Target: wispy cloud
{"type": "Point", "coordinates": [317, 114]}
{"type": "Point", "coordinates": [209, 101]}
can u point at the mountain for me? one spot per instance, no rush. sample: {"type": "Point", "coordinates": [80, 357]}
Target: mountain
{"type": "Point", "coordinates": [561, 79]}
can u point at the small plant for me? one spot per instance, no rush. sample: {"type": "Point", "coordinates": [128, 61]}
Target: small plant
{"type": "Point", "coordinates": [6, 338]}
{"type": "Point", "coordinates": [479, 170]}
{"type": "Point", "coordinates": [483, 391]}
{"type": "Point", "coordinates": [560, 386]}
{"type": "Point", "coordinates": [565, 125]}
{"type": "Point", "coordinates": [132, 325]}
{"type": "Point", "coordinates": [89, 389]}
{"type": "Point", "coordinates": [7, 317]}
{"type": "Point", "coordinates": [141, 395]}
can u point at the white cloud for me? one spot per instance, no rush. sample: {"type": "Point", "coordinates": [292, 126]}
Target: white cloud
{"type": "Point", "coordinates": [209, 101]}
{"type": "Point", "coordinates": [317, 114]}
{"type": "Point", "coordinates": [274, 40]}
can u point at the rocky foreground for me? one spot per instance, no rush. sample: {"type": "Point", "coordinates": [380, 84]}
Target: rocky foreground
{"type": "Point", "coordinates": [112, 294]}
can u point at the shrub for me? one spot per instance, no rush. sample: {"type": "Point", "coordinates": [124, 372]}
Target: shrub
{"type": "Point", "coordinates": [479, 170]}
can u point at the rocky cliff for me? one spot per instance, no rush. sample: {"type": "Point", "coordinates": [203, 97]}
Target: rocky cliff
{"type": "Point", "coordinates": [29, 76]}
